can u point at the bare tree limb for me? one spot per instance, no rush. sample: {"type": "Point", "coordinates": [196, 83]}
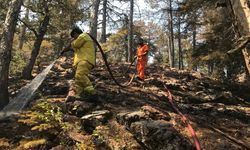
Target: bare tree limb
{"type": "Point", "coordinates": [29, 27]}
{"type": "Point", "coordinates": [240, 44]}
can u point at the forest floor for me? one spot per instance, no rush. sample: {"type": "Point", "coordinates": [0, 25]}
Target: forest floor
{"type": "Point", "coordinates": [139, 116]}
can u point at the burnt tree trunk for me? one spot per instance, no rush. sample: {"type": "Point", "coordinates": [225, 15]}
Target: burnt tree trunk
{"type": "Point", "coordinates": [172, 34]}
{"type": "Point", "coordinates": [104, 22]}
{"type": "Point", "coordinates": [130, 31]}
{"type": "Point", "coordinates": [241, 10]}
{"type": "Point", "coordinates": [94, 18]}
{"type": "Point", "coordinates": [6, 42]}
{"type": "Point", "coordinates": [179, 44]}
{"type": "Point", "coordinates": [169, 45]}
{"type": "Point", "coordinates": [194, 65]}
{"type": "Point", "coordinates": [27, 72]}
{"type": "Point", "coordinates": [125, 26]}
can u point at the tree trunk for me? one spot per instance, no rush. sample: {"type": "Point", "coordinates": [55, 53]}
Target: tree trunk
{"type": "Point", "coordinates": [130, 31]}
{"type": "Point", "coordinates": [104, 22]}
{"type": "Point", "coordinates": [27, 72]}
{"type": "Point", "coordinates": [94, 18]}
{"type": "Point", "coordinates": [125, 26]}
{"type": "Point", "coordinates": [170, 49]}
{"type": "Point", "coordinates": [179, 44]}
{"type": "Point", "coordinates": [241, 11]}
{"type": "Point", "coordinates": [5, 48]}
{"type": "Point", "coordinates": [194, 66]}
{"type": "Point", "coordinates": [169, 44]}
{"type": "Point", "coordinates": [172, 34]}
{"type": "Point", "coordinates": [23, 28]}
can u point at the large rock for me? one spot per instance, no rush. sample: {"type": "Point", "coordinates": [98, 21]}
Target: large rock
{"type": "Point", "coordinates": [151, 128]}
{"type": "Point", "coordinates": [159, 134]}
{"type": "Point", "coordinates": [226, 97]}
{"type": "Point", "coordinates": [128, 118]}
{"type": "Point", "coordinates": [115, 137]}
{"type": "Point", "coordinates": [96, 118]}
{"type": "Point", "coordinates": [155, 114]}
{"type": "Point", "coordinates": [70, 118]}
{"type": "Point", "coordinates": [79, 108]}
{"type": "Point", "coordinates": [146, 113]}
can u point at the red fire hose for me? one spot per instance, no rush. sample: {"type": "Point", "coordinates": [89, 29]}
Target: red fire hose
{"type": "Point", "coordinates": [184, 119]}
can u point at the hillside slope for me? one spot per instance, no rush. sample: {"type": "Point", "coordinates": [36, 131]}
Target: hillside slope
{"type": "Point", "coordinates": [139, 116]}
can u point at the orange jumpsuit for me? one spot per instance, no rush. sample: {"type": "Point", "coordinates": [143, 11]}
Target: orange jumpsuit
{"type": "Point", "coordinates": [142, 59]}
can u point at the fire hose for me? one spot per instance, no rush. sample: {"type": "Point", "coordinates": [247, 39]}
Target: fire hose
{"type": "Point", "coordinates": [107, 65]}
{"type": "Point", "coordinates": [184, 119]}
{"type": "Point", "coordinates": [170, 97]}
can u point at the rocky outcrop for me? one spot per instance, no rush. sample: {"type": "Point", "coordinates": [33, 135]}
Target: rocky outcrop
{"type": "Point", "coordinates": [151, 127]}
{"type": "Point", "coordinates": [91, 121]}
{"type": "Point", "coordinates": [79, 108]}
{"type": "Point", "coordinates": [159, 134]}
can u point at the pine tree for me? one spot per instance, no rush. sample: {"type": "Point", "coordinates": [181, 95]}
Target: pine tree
{"type": "Point", "coordinates": [5, 48]}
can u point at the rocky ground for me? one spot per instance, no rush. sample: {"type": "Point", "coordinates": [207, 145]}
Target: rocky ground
{"type": "Point", "coordinates": [136, 117]}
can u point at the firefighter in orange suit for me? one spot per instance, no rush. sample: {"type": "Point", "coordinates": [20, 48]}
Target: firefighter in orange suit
{"type": "Point", "coordinates": [84, 62]}
{"type": "Point", "coordinates": [142, 58]}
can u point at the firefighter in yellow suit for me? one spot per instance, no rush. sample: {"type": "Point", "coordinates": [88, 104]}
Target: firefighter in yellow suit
{"type": "Point", "coordinates": [84, 62]}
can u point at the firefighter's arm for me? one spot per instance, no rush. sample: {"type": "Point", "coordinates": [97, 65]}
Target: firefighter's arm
{"type": "Point", "coordinates": [77, 43]}
{"type": "Point", "coordinates": [144, 54]}
{"type": "Point", "coordinates": [145, 50]}
{"type": "Point", "coordinates": [67, 48]}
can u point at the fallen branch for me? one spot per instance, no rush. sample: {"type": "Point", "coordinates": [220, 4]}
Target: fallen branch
{"type": "Point", "coordinates": [239, 142]}
{"type": "Point", "coordinates": [240, 44]}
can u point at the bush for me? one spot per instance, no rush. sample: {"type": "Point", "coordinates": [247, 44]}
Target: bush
{"type": "Point", "coordinates": [17, 63]}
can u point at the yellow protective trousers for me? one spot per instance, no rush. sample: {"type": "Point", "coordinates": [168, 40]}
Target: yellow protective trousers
{"type": "Point", "coordinates": [82, 83]}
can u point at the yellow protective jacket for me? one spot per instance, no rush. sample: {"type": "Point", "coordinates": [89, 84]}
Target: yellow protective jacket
{"type": "Point", "coordinates": [83, 49]}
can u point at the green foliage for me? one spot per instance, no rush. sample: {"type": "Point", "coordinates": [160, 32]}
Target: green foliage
{"type": "Point", "coordinates": [3, 10]}
{"type": "Point", "coordinates": [46, 53]}
{"type": "Point", "coordinates": [156, 38]}
{"type": "Point", "coordinates": [44, 117]}
{"type": "Point", "coordinates": [215, 36]}
{"type": "Point", "coordinates": [42, 127]}
{"type": "Point", "coordinates": [63, 15]}
{"type": "Point", "coordinates": [117, 45]}
{"type": "Point", "coordinates": [29, 144]}
{"type": "Point", "coordinates": [82, 146]}
{"type": "Point", "coordinates": [17, 63]}
{"type": "Point", "coordinates": [4, 142]}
